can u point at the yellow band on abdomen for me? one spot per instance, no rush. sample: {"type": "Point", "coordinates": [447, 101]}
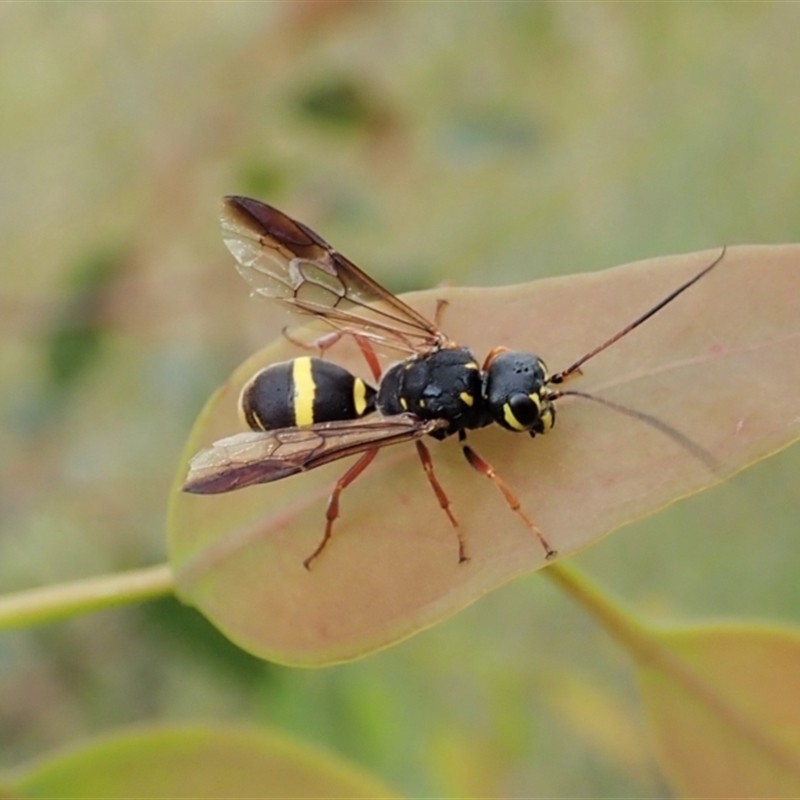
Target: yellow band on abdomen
{"type": "Point", "coordinates": [304, 391]}
{"type": "Point", "coordinates": [359, 396]}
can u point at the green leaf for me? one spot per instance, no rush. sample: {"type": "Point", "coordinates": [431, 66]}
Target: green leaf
{"type": "Point", "coordinates": [719, 365]}
{"type": "Point", "coordinates": [201, 762]}
{"type": "Point", "coordinates": [723, 699]}
{"type": "Point", "coordinates": [726, 711]}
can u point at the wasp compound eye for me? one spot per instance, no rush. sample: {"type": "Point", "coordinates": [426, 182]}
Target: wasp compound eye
{"type": "Point", "coordinates": [524, 409]}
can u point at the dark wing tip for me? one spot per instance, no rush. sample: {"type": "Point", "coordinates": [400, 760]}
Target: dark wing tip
{"type": "Point", "coordinates": [246, 205]}
{"type": "Point", "coordinates": [237, 478]}
{"type": "Point", "coordinates": [205, 485]}
{"type": "Point", "coordinates": [248, 211]}
{"type": "Point", "coordinates": [266, 220]}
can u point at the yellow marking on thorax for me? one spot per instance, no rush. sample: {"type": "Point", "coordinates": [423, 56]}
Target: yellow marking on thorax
{"type": "Point", "coordinates": [359, 397]}
{"type": "Point", "coordinates": [304, 391]}
{"type": "Point", "coordinates": [509, 417]}
{"type": "Point", "coordinates": [467, 399]}
{"type": "Point", "coordinates": [404, 404]}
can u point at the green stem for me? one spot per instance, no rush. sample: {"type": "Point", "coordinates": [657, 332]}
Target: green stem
{"type": "Point", "coordinates": [650, 650]}
{"type": "Point", "coordinates": [38, 606]}
{"type": "Point", "coordinates": [630, 631]}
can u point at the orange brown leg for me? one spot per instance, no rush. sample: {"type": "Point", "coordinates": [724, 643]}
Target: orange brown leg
{"type": "Point", "coordinates": [321, 344]}
{"type": "Point", "coordinates": [329, 340]}
{"type": "Point", "coordinates": [486, 469]}
{"type": "Point", "coordinates": [444, 501]}
{"type": "Point", "coordinates": [441, 305]}
{"type": "Point", "coordinates": [365, 346]}
{"type": "Point", "coordinates": [332, 511]}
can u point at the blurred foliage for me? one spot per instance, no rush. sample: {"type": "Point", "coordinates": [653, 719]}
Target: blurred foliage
{"type": "Point", "coordinates": [74, 343]}
{"type": "Point", "coordinates": [337, 102]}
{"type": "Point", "coordinates": [471, 143]}
{"type": "Point", "coordinates": [225, 762]}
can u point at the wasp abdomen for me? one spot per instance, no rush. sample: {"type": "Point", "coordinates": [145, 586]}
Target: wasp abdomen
{"type": "Point", "coordinates": [303, 391]}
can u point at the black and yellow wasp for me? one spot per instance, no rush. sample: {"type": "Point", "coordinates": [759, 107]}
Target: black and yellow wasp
{"type": "Point", "coordinates": [308, 412]}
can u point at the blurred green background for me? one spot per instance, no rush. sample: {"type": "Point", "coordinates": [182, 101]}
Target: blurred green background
{"type": "Point", "coordinates": [476, 143]}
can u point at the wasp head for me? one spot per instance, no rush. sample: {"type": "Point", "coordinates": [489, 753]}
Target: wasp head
{"type": "Point", "coordinates": [516, 394]}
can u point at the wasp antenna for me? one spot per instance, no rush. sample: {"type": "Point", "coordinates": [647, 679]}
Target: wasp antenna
{"type": "Point", "coordinates": [679, 438]}
{"type": "Point", "coordinates": [564, 374]}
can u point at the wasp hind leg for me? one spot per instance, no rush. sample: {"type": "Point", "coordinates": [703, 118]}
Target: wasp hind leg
{"type": "Point", "coordinates": [477, 463]}
{"type": "Point", "coordinates": [329, 340]}
{"type": "Point", "coordinates": [332, 512]}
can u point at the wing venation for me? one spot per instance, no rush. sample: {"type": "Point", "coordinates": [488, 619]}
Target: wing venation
{"type": "Point", "coordinates": [246, 459]}
{"type": "Point", "coordinates": [285, 261]}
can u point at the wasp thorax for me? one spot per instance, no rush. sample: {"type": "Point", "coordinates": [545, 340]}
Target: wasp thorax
{"type": "Point", "coordinates": [444, 384]}
{"type": "Point", "coordinates": [515, 393]}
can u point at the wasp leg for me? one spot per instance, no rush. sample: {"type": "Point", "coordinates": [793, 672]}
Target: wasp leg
{"type": "Point", "coordinates": [332, 511]}
{"type": "Point", "coordinates": [321, 344]}
{"type": "Point", "coordinates": [371, 357]}
{"type": "Point", "coordinates": [441, 305]}
{"type": "Point", "coordinates": [486, 469]}
{"type": "Point", "coordinates": [329, 340]}
{"type": "Point", "coordinates": [444, 500]}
